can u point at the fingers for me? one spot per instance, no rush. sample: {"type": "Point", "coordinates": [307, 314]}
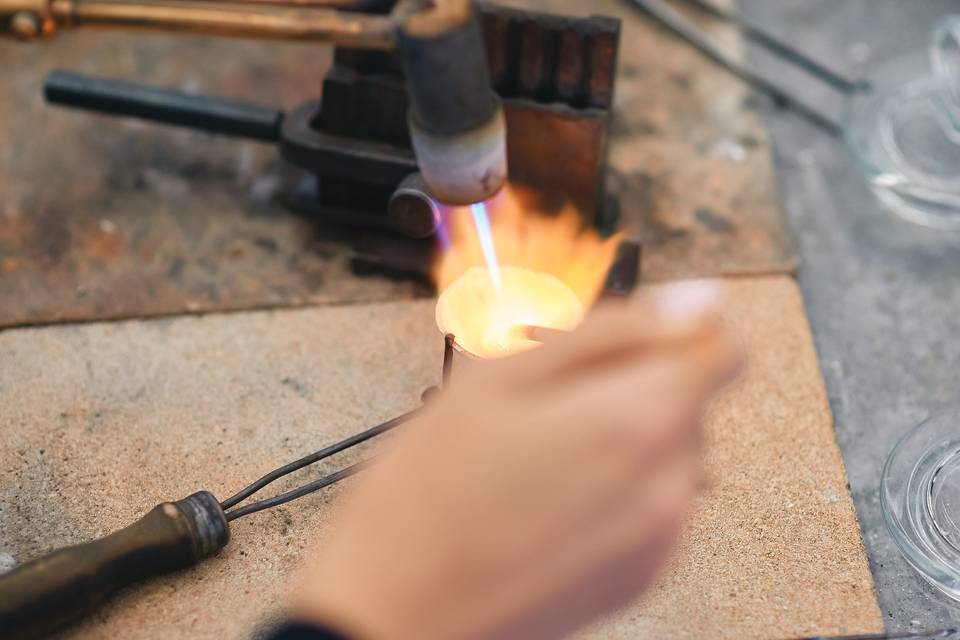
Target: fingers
{"type": "Point", "coordinates": [711, 362]}
{"type": "Point", "coordinates": [644, 404]}
{"type": "Point", "coordinates": [624, 549]}
{"type": "Point", "coordinates": [638, 539]}
{"type": "Point", "coordinates": [666, 317]}
{"type": "Point", "coordinates": [624, 421]}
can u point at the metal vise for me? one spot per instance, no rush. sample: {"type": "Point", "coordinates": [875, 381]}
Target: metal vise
{"type": "Point", "coordinates": [399, 127]}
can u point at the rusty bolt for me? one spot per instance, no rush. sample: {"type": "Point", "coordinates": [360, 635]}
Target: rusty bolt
{"type": "Point", "coordinates": [25, 25]}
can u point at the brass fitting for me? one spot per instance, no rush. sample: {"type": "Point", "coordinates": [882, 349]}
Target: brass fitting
{"type": "Point", "coordinates": [25, 19]}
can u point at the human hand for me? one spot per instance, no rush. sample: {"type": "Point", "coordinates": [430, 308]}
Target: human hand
{"type": "Point", "coordinates": [535, 493]}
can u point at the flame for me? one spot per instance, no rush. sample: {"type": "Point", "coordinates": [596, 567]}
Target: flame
{"type": "Point", "coordinates": [528, 268]}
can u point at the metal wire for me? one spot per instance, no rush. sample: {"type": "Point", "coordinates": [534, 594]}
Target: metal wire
{"type": "Point", "coordinates": [699, 39]}
{"type": "Point", "coordinates": [775, 45]}
{"type": "Point", "coordinates": [276, 474]}
{"type": "Point", "coordinates": [289, 496]}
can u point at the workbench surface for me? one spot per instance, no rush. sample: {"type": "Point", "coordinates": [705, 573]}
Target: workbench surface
{"type": "Point", "coordinates": [107, 419]}
{"type": "Point", "coordinates": [883, 296]}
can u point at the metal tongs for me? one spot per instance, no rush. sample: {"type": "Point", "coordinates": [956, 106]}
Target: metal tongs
{"type": "Point", "coordinates": [54, 590]}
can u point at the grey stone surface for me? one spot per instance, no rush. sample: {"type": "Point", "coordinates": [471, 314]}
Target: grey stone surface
{"type": "Point", "coordinates": [883, 295]}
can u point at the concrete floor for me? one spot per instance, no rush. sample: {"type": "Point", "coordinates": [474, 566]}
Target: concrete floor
{"type": "Point", "coordinates": [883, 295]}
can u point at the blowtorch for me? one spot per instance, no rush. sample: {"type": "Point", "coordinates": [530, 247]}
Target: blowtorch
{"type": "Point", "coordinates": [456, 120]}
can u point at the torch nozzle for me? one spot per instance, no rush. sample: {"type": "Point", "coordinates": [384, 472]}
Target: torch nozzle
{"type": "Point", "coordinates": [457, 124]}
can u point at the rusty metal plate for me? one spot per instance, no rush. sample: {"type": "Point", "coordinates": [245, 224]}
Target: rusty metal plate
{"type": "Point", "coordinates": [689, 157]}
{"type": "Point", "coordinates": [574, 140]}
{"type": "Point", "coordinates": [104, 218]}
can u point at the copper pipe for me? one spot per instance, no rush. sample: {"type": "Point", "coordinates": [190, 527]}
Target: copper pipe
{"type": "Point", "coordinates": [355, 5]}
{"type": "Point", "coordinates": [235, 18]}
{"type": "Point", "coordinates": [314, 20]}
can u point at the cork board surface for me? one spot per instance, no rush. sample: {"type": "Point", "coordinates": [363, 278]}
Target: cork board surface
{"type": "Point", "coordinates": [103, 421]}
{"type": "Point", "coordinates": [774, 550]}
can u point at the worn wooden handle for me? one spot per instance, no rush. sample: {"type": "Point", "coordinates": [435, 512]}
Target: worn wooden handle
{"type": "Point", "coordinates": [52, 591]}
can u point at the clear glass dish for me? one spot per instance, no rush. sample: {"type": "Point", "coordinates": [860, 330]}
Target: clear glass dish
{"type": "Point", "coordinates": [904, 132]}
{"type": "Point", "coordinates": [920, 500]}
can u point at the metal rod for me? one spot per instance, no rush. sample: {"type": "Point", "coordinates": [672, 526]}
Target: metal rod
{"type": "Point", "coordinates": [356, 5]}
{"type": "Point", "coordinates": [700, 40]}
{"type": "Point", "coordinates": [234, 18]}
{"type": "Point", "coordinates": [449, 341]}
{"type": "Point", "coordinates": [230, 117]}
{"type": "Point", "coordinates": [780, 48]}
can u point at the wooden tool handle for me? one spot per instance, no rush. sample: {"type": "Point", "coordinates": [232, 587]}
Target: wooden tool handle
{"type": "Point", "coordinates": [51, 591]}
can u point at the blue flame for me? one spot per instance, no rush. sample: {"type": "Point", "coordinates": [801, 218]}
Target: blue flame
{"type": "Point", "coordinates": [442, 216]}
{"type": "Point", "coordinates": [482, 222]}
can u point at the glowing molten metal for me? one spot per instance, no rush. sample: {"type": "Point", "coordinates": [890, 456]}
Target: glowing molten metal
{"type": "Point", "coordinates": [506, 267]}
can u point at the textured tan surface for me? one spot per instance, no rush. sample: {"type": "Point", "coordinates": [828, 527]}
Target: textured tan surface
{"type": "Point", "coordinates": [774, 550]}
{"type": "Point", "coordinates": [103, 421]}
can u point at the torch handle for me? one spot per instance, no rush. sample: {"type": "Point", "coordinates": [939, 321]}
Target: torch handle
{"type": "Point", "coordinates": [49, 592]}
{"type": "Point", "coordinates": [118, 97]}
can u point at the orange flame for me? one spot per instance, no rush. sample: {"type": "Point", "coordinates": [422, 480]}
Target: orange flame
{"type": "Point", "coordinates": [553, 269]}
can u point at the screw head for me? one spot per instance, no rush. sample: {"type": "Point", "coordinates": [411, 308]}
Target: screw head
{"type": "Point", "coordinates": [25, 25]}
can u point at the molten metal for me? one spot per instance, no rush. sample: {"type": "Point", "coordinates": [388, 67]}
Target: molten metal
{"type": "Point", "coordinates": [491, 324]}
{"type": "Point", "coordinates": [515, 268]}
